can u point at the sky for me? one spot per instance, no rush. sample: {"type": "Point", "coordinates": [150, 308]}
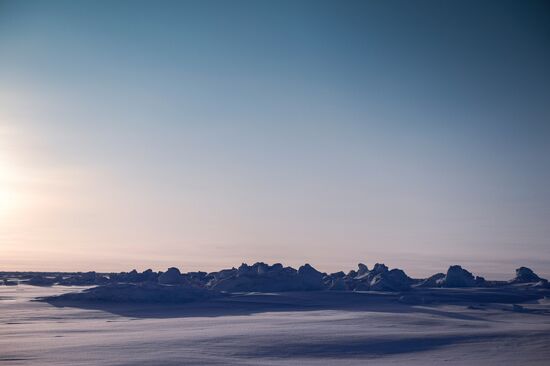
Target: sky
{"type": "Point", "coordinates": [203, 134]}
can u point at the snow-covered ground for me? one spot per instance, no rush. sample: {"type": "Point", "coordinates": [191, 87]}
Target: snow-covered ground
{"type": "Point", "coordinates": [317, 328]}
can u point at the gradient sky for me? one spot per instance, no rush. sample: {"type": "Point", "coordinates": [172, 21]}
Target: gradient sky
{"type": "Point", "coordinates": [203, 134]}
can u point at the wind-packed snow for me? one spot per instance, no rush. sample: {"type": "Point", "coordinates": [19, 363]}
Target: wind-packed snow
{"type": "Point", "coordinates": [147, 292]}
{"type": "Point", "coordinates": [265, 314]}
{"type": "Point", "coordinates": [295, 328]}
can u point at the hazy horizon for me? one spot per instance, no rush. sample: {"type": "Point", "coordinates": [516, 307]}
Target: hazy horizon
{"type": "Point", "coordinates": [203, 134]}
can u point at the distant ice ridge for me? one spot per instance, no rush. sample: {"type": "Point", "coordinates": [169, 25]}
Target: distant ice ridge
{"type": "Point", "coordinates": [380, 278]}
{"type": "Point", "coordinates": [456, 276]}
{"type": "Point", "coordinates": [173, 286]}
{"type": "Point", "coordinates": [262, 277]}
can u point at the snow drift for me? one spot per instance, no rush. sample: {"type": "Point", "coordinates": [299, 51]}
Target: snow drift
{"type": "Point", "coordinates": [137, 293]}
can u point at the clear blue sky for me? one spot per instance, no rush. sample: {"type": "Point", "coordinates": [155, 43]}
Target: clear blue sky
{"type": "Point", "coordinates": [206, 133]}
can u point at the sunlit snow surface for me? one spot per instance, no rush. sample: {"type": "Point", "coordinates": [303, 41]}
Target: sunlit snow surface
{"type": "Point", "coordinates": [286, 329]}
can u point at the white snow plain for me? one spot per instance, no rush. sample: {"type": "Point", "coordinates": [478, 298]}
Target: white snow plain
{"type": "Point", "coordinates": [315, 328]}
